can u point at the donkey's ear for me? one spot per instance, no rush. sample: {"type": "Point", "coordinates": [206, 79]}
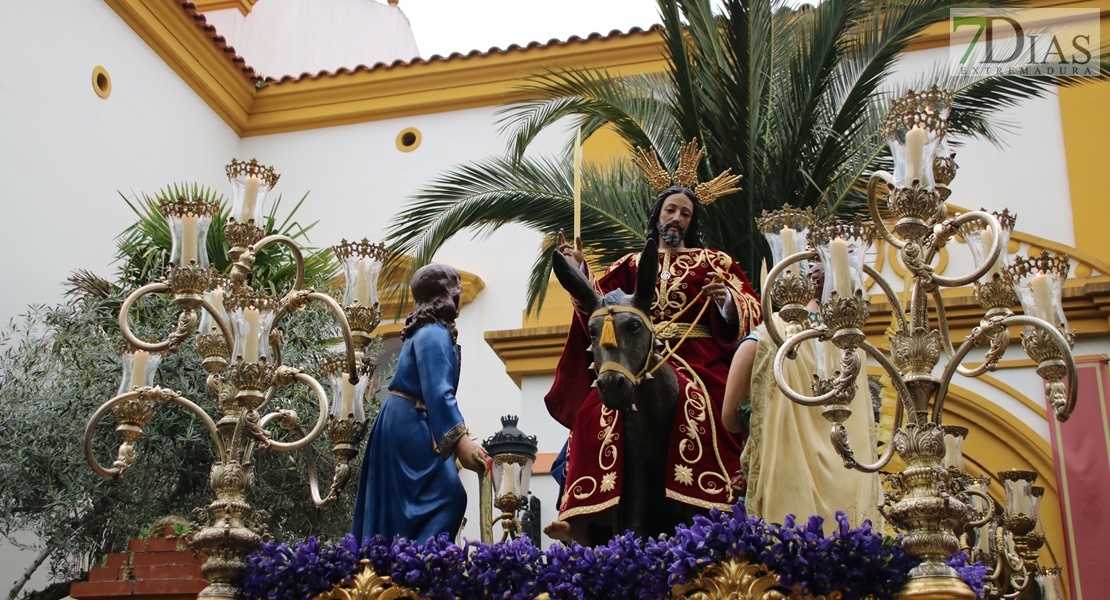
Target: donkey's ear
{"type": "Point", "coordinates": [575, 282]}
{"type": "Point", "coordinates": [646, 271]}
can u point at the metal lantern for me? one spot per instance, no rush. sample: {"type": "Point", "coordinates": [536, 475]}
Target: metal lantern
{"type": "Point", "coordinates": [513, 454]}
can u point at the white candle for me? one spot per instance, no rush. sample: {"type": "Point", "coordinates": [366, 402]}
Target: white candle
{"type": "Point", "coordinates": [578, 185]}
{"type": "Point", "coordinates": [842, 279]}
{"type": "Point", "coordinates": [915, 148]}
{"type": "Point", "coordinates": [250, 197]}
{"type": "Point", "coordinates": [138, 368]}
{"type": "Point", "coordinates": [988, 241]}
{"type": "Point", "coordinates": [250, 347]}
{"type": "Point", "coordinates": [953, 453]}
{"type": "Point", "coordinates": [789, 242]}
{"type": "Point", "coordinates": [508, 477]}
{"type": "Point", "coordinates": [1042, 298]}
{"type": "Point", "coordinates": [362, 281]}
{"type": "Point", "coordinates": [216, 298]}
{"type": "Point", "coordinates": [188, 239]}
{"type": "Point", "coordinates": [346, 397]}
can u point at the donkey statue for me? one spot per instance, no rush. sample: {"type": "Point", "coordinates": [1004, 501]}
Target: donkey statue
{"type": "Point", "coordinates": [624, 353]}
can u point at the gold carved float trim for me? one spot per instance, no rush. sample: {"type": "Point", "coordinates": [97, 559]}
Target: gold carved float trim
{"type": "Point", "coordinates": [368, 585]}
{"type": "Point", "coordinates": [738, 579]}
{"type": "Point", "coordinates": [735, 579]}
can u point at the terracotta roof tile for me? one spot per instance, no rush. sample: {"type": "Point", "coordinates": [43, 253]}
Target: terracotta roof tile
{"type": "Point", "coordinates": [219, 40]}
{"type": "Point", "coordinates": [249, 72]}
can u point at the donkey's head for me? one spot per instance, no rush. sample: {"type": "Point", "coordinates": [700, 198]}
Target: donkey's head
{"type": "Point", "coordinates": [619, 325]}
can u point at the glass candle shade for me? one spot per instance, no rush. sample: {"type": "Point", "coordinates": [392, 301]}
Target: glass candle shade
{"type": "Point", "coordinates": [954, 437]}
{"type": "Point", "coordinates": [979, 238]}
{"type": "Point", "coordinates": [1039, 285]}
{"type": "Point", "coordinates": [139, 367]}
{"type": "Point", "coordinates": [512, 474]}
{"type": "Point", "coordinates": [189, 221]}
{"type": "Point", "coordinates": [251, 319]}
{"type": "Point", "coordinates": [346, 398]}
{"type": "Point", "coordinates": [1019, 492]}
{"type": "Point", "coordinates": [1038, 494]}
{"type": "Point", "coordinates": [984, 533]}
{"type": "Point", "coordinates": [914, 128]}
{"type": "Point", "coordinates": [787, 232]}
{"type": "Point", "coordinates": [250, 183]}
{"type": "Point", "coordinates": [842, 248]}
{"type": "Point", "coordinates": [513, 453]}
{"type": "Point", "coordinates": [1048, 579]}
{"type": "Point", "coordinates": [215, 297]}
{"type": "Point", "coordinates": [362, 264]}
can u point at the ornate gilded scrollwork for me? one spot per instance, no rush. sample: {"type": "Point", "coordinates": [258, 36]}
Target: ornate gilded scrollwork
{"type": "Point", "coordinates": [368, 585]}
{"type": "Point", "coordinates": [738, 579]}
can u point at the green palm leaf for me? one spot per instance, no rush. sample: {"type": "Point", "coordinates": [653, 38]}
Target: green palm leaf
{"type": "Point", "coordinates": [792, 99]}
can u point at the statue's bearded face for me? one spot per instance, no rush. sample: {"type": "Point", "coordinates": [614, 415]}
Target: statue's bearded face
{"type": "Point", "coordinates": [674, 219]}
{"type": "Point", "coordinates": [672, 233]}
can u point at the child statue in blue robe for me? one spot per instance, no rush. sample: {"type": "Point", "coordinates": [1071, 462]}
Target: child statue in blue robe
{"type": "Point", "coordinates": [409, 485]}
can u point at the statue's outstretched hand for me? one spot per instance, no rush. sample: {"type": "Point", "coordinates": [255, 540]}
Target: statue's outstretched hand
{"type": "Point", "coordinates": [573, 253]}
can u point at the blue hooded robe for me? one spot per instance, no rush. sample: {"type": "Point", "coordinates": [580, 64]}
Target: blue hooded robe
{"type": "Point", "coordinates": [408, 486]}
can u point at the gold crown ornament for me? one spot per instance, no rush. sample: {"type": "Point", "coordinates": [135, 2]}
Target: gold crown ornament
{"type": "Point", "coordinates": [689, 155]}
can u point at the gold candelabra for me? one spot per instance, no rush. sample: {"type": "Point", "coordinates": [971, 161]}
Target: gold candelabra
{"type": "Point", "coordinates": [927, 502]}
{"type": "Point", "coordinates": [241, 350]}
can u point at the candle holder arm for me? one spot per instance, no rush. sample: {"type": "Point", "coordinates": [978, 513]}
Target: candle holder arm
{"type": "Point", "coordinates": [286, 376]}
{"type": "Point", "coordinates": [999, 342]}
{"type": "Point", "coordinates": [785, 350]}
{"type": "Point", "coordinates": [298, 256]}
{"type": "Point", "coordinates": [873, 205]}
{"type": "Point", "coordinates": [1062, 409]}
{"type": "Point", "coordinates": [153, 395]}
{"type": "Point", "coordinates": [768, 304]}
{"type": "Point", "coordinates": [289, 421]}
{"type": "Point", "coordinates": [905, 398]}
{"type": "Point", "coordinates": [895, 301]}
{"type": "Point", "coordinates": [345, 330]}
{"type": "Point", "coordinates": [986, 328]}
{"type": "Point", "coordinates": [996, 250]}
{"type": "Point", "coordinates": [186, 323]}
{"type": "Point", "coordinates": [987, 514]}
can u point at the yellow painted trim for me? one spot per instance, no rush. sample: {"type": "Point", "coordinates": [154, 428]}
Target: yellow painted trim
{"type": "Point", "coordinates": [438, 86]}
{"type": "Point", "coordinates": [412, 146]}
{"type": "Point", "coordinates": [244, 6]}
{"type": "Point", "coordinates": [174, 36]}
{"type": "Point", "coordinates": [101, 82]}
{"type": "Point", "coordinates": [385, 93]}
{"type": "Point", "coordinates": [1022, 363]}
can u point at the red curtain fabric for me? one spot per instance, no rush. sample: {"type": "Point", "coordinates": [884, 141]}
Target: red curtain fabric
{"type": "Point", "coordinates": [1081, 451]}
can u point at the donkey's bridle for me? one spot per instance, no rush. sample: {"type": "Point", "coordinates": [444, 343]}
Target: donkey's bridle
{"type": "Point", "coordinates": [609, 332]}
{"type": "Point", "coordinates": [635, 378]}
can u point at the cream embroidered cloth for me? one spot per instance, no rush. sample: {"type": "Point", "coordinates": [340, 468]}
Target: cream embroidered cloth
{"type": "Point", "coordinates": [789, 460]}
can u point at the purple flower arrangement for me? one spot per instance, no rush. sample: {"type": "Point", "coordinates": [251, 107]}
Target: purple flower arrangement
{"type": "Point", "coordinates": [857, 562]}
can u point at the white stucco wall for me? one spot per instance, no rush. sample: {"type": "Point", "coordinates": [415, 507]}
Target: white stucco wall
{"type": "Point", "coordinates": [290, 37]}
{"type": "Point", "coordinates": [64, 153]}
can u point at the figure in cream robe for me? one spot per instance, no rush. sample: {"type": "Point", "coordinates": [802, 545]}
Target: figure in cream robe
{"type": "Point", "coordinates": [789, 460]}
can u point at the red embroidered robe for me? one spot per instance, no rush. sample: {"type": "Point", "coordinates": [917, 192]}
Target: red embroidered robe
{"type": "Point", "coordinates": [703, 456]}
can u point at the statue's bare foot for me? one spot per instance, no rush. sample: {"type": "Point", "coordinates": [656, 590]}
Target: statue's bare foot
{"type": "Point", "coordinates": [559, 530]}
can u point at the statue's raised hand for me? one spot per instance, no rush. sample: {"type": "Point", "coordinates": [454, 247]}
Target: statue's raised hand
{"type": "Point", "coordinates": [573, 253]}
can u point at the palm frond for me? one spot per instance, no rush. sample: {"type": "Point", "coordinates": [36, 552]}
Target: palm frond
{"type": "Point", "coordinates": [143, 249]}
{"type": "Point", "coordinates": [537, 193]}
